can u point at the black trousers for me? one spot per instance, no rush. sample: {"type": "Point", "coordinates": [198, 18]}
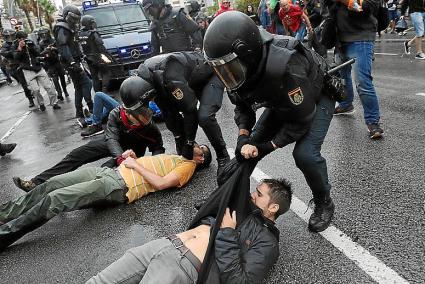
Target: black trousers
{"type": "Point", "coordinates": [82, 85]}
{"type": "Point", "coordinates": [100, 77]}
{"type": "Point", "coordinates": [18, 74]}
{"type": "Point", "coordinates": [57, 73]}
{"type": "Point", "coordinates": [90, 152]}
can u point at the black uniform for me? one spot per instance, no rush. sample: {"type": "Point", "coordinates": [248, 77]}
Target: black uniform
{"type": "Point", "coordinates": [93, 47]}
{"type": "Point", "coordinates": [175, 31]}
{"type": "Point", "coordinates": [118, 138]}
{"type": "Point", "coordinates": [181, 79]}
{"type": "Point", "coordinates": [7, 52]}
{"type": "Point", "coordinates": [70, 55]}
{"type": "Point", "coordinates": [52, 65]}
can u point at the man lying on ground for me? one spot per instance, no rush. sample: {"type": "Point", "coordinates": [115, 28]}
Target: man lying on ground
{"type": "Point", "coordinates": [130, 126]}
{"type": "Point", "coordinates": [243, 254]}
{"type": "Point", "coordinates": [92, 186]}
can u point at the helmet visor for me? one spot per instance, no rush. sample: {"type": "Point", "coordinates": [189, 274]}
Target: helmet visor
{"type": "Point", "coordinates": [230, 70]}
{"type": "Point", "coordinates": [140, 112]}
{"type": "Point", "coordinates": [72, 19]}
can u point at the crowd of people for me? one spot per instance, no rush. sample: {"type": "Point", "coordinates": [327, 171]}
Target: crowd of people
{"type": "Point", "coordinates": [201, 61]}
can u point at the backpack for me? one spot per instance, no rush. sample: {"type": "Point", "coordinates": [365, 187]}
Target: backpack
{"type": "Point", "coordinates": [382, 16]}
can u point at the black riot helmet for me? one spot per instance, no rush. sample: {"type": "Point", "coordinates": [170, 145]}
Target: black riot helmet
{"type": "Point", "coordinates": [44, 34]}
{"type": "Point", "coordinates": [233, 47]}
{"type": "Point", "coordinates": [88, 22]}
{"type": "Point", "coordinates": [72, 15]}
{"type": "Point", "coordinates": [21, 35]}
{"type": "Point", "coordinates": [135, 94]}
{"type": "Point", "coordinates": [9, 35]}
{"type": "Point", "coordinates": [193, 8]}
{"type": "Point", "coordinates": [153, 7]}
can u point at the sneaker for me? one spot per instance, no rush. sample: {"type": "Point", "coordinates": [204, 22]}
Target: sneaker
{"type": "Point", "coordinates": [406, 47]}
{"type": "Point", "coordinates": [375, 131]}
{"type": "Point", "coordinates": [82, 122]}
{"type": "Point", "coordinates": [420, 56]}
{"type": "Point", "coordinates": [344, 110]}
{"type": "Point", "coordinates": [66, 94]}
{"type": "Point", "coordinates": [42, 107]}
{"type": "Point", "coordinates": [25, 185]}
{"type": "Point", "coordinates": [92, 130]}
{"type": "Point", "coordinates": [61, 98]}
{"type": "Point", "coordinates": [31, 103]}
{"type": "Point", "coordinates": [56, 106]}
{"type": "Point", "coordinates": [322, 214]}
{"type": "Point", "coordinates": [6, 148]}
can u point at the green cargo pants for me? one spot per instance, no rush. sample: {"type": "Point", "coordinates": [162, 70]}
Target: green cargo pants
{"type": "Point", "coordinates": [79, 189]}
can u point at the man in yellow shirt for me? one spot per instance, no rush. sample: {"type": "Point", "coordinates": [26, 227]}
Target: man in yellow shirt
{"type": "Point", "coordinates": [94, 185]}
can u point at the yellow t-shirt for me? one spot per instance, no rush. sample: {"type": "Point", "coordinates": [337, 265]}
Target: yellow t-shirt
{"type": "Point", "coordinates": [159, 164]}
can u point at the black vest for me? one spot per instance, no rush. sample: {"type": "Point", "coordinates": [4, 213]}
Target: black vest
{"type": "Point", "coordinates": [89, 45]}
{"type": "Point", "coordinates": [272, 89]}
{"type": "Point", "coordinates": [170, 33]}
{"type": "Point", "coordinates": [71, 42]}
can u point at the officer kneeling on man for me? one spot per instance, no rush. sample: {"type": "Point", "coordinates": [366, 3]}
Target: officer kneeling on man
{"type": "Point", "coordinates": [276, 72]}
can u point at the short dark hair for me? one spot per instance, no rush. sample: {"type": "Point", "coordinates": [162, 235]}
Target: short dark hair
{"type": "Point", "coordinates": [207, 157]}
{"type": "Point", "coordinates": [280, 192]}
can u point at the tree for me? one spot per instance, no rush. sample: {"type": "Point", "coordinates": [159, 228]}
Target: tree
{"type": "Point", "coordinates": [27, 6]}
{"type": "Point", "coordinates": [48, 9]}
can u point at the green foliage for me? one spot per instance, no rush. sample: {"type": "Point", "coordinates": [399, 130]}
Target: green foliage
{"type": "Point", "coordinates": [210, 11]}
{"type": "Point", "coordinates": [241, 5]}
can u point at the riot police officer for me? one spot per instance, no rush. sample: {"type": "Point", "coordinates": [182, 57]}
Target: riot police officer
{"type": "Point", "coordinates": [65, 32]}
{"type": "Point", "coordinates": [96, 55]}
{"type": "Point", "coordinates": [7, 52]}
{"type": "Point", "coordinates": [180, 80]}
{"type": "Point", "coordinates": [51, 62]}
{"type": "Point", "coordinates": [193, 9]}
{"type": "Point", "coordinates": [172, 29]}
{"type": "Point", "coordinates": [280, 74]}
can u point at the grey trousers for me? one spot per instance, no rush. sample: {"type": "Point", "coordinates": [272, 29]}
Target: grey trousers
{"type": "Point", "coordinates": [37, 79]}
{"type": "Point", "coordinates": [157, 262]}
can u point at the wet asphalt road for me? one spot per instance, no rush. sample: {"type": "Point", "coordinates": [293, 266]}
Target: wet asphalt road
{"type": "Point", "coordinates": [378, 189]}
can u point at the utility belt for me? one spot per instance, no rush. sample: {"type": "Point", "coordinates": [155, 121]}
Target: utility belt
{"type": "Point", "coordinates": [179, 245]}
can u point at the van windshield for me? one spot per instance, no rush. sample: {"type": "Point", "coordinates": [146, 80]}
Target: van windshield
{"type": "Point", "coordinates": [119, 18]}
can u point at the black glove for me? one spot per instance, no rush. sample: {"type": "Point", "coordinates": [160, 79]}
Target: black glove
{"type": "Point", "coordinates": [242, 140]}
{"type": "Point", "coordinates": [75, 67]}
{"type": "Point", "coordinates": [264, 149]}
{"type": "Point", "coordinates": [180, 141]}
{"type": "Point", "coordinates": [187, 151]}
{"type": "Point", "coordinates": [334, 88]}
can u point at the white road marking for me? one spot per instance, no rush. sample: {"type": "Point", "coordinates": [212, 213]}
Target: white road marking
{"type": "Point", "coordinates": [13, 128]}
{"type": "Point", "coordinates": [420, 94]}
{"type": "Point", "coordinates": [370, 264]}
{"type": "Point", "coordinates": [387, 54]}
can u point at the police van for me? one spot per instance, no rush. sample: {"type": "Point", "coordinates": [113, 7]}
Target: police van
{"type": "Point", "coordinates": [124, 29]}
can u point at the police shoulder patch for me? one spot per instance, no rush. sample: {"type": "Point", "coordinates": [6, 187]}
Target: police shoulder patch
{"type": "Point", "coordinates": [178, 94]}
{"type": "Point", "coordinates": [296, 96]}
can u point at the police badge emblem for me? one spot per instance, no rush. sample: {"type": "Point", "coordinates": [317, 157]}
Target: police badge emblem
{"type": "Point", "coordinates": [296, 96]}
{"type": "Point", "coordinates": [178, 94]}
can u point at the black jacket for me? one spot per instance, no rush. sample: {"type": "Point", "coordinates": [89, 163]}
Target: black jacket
{"type": "Point", "coordinates": [175, 31]}
{"type": "Point", "coordinates": [92, 45]}
{"type": "Point", "coordinates": [120, 139]}
{"type": "Point", "coordinates": [289, 81]}
{"type": "Point", "coordinates": [67, 44]}
{"type": "Point", "coordinates": [50, 53]}
{"type": "Point", "coordinates": [414, 6]}
{"type": "Point", "coordinates": [28, 56]}
{"type": "Point", "coordinates": [356, 26]}
{"type": "Point", "coordinates": [247, 254]}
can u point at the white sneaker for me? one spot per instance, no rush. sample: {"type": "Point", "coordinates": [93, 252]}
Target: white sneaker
{"type": "Point", "coordinates": [420, 56]}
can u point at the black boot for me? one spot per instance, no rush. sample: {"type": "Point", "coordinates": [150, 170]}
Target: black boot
{"type": "Point", "coordinates": [222, 159]}
{"type": "Point", "coordinates": [323, 212]}
{"type": "Point", "coordinates": [31, 103]}
{"type": "Point", "coordinates": [6, 148]}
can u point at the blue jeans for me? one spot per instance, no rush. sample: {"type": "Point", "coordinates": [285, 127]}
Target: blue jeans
{"type": "Point", "coordinates": [103, 104]}
{"type": "Point", "coordinates": [300, 33]}
{"type": "Point", "coordinates": [362, 51]}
